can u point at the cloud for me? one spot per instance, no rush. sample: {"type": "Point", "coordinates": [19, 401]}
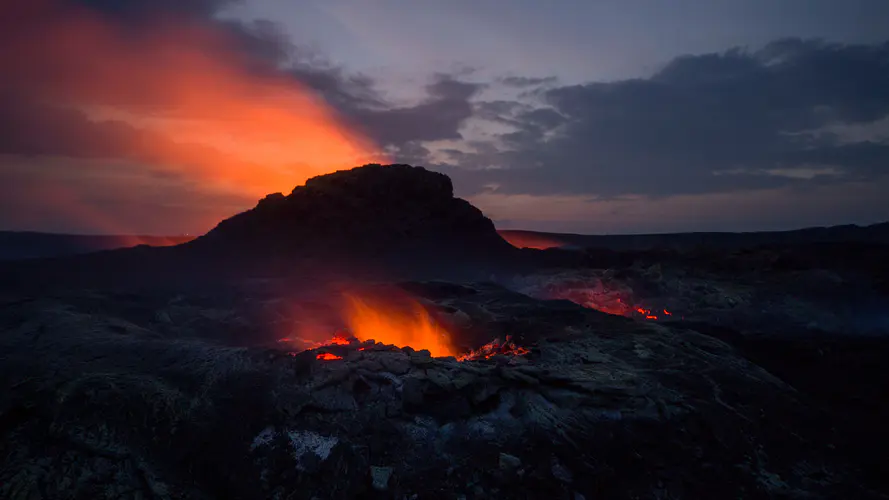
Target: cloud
{"type": "Point", "coordinates": [524, 81]}
{"type": "Point", "coordinates": [782, 208]}
{"type": "Point", "coordinates": [72, 195]}
{"type": "Point", "coordinates": [142, 11]}
{"type": "Point", "coordinates": [168, 87]}
{"type": "Point", "coordinates": [235, 110]}
{"type": "Point", "coordinates": [439, 117]}
{"type": "Point", "coordinates": [257, 49]}
{"type": "Point", "coordinates": [674, 132]}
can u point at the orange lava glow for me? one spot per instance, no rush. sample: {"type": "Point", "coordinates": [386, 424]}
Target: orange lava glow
{"type": "Point", "coordinates": [326, 356]}
{"type": "Point", "coordinates": [646, 313]}
{"type": "Point", "coordinates": [339, 339]}
{"type": "Point", "coordinates": [181, 100]}
{"type": "Point", "coordinates": [609, 299]}
{"type": "Point", "coordinates": [522, 239]}
{"type": "Point", "coordinates": [400, 321]}
{"type": "Point", "coordinates": [494, 348]}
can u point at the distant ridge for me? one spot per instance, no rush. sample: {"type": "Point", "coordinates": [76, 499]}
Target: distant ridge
{"type": "Point", "coordinates": [849, 233]}
{"type": "Point", "coordinates": [17, 245]}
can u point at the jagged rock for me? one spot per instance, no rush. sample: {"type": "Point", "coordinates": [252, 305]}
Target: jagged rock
{"type": "Point", "coordinates": [421, 358]}
{"type": "Point", "coordinates": [509, 463]}
{"type": "Point", "coordinates": [690, 418]}
{"type": "Point", "coordinates": [518, 376]}
{"type": "Point", "coordinates": [412, 392]}
{"type": "Point", "coordinates": [439, 378]}
{"type": "Point", "coordinates": [560, 472]}
{"type": "Point", "coordinates": [398, 364]}
{"type": "Point", "coordinates": [380, 477]}
{"type": "Point", "coordinates": [333, 399]}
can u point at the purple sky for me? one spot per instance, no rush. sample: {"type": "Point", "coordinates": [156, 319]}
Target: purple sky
{"type": "Point", "coordinates": [597, 117]}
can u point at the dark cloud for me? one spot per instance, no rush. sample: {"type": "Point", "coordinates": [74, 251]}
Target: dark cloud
{"type": "Point", "coordinates": [716, 122]}
{"type": "Point", "coordinates": [438, 117]}
{"type": "Point", "coordinates": [523, 82]}
{"type": "Point", "coordinates": [142, 11]}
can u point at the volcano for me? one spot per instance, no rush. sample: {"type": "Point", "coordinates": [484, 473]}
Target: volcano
{"type": "Point", "coordinates": [375, 221]}
{"type": "Point", "coordinates": [397, 216]}
{"type": "Point", "coordinates": [285, 355]}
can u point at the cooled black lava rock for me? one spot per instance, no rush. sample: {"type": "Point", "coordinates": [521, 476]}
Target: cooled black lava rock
{"type": "Point", "coordinates": [101, 402]}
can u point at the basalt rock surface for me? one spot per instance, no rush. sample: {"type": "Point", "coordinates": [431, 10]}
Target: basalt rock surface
{"type": "Point", "coordinates": [125, 397]}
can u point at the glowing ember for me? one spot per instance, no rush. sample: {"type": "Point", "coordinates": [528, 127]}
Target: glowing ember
{"type": "Point", "coordinates": [339, 339]}
{"type": "Point", "coordinates": [328, 356]}
{"type": "Point", "coordinates": [401, 322]}
{"type": "Point", "coordinates": [646, 313]}
{"type": "Point", "coordinates": [602, 293]}
{"type": "Point", "coordinates": [495, 348]}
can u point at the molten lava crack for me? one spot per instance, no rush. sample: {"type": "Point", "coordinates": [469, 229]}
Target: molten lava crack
{"type": "Point", "coordinates": [494, 348]}
{"type": "Point", "coordinates": [328, 356]}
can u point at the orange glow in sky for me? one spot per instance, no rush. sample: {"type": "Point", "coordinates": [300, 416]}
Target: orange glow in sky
{"type": "Point", "coordinates": [183, 101]}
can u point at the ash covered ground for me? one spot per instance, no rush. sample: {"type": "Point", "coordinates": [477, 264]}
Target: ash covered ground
{"type": "Point", "coordinates": [206, 370]}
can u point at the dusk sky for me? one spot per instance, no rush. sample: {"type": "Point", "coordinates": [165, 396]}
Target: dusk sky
{"type": "Point", "coordinates": [166, 116]}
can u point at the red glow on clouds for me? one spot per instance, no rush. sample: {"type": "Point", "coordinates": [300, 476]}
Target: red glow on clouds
{"type": "Point", "coordinates": [179, 100]}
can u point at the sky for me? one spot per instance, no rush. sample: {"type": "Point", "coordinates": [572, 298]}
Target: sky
{"type": "Point", "coordinates": [167, 116]}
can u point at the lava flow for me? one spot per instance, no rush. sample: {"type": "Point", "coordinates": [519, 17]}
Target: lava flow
{"type": "Point", "coordinates": [609, 298]}
{"type": "Point", "coordinates": [328, 356]}
{"type": "Point", "coordinates": [402, 322]}
{"type": "Point", "coordinates": [339, 339]}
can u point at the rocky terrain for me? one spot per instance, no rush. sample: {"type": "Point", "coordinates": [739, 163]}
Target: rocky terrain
{"type": "Point", "coordinates": [16, 245]}
{"type": "Point", "coordinates": [191, 374]}
{"type": "Point", "coordinates": [121, 404]}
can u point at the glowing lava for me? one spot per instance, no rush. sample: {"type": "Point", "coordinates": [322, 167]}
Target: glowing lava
{"type": "Point", "coordinates": [528, 239]}
{"type": "Point", "coordinates": [339, 339]}
{"type": "Point", "coordinates": [401, 322]}
{"type": "Point", "coordinates": [495, 348]}
{"type": "Point", "coordinates": [605, 296]}
{"type": "Point", "coordinates": [328, 356]}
